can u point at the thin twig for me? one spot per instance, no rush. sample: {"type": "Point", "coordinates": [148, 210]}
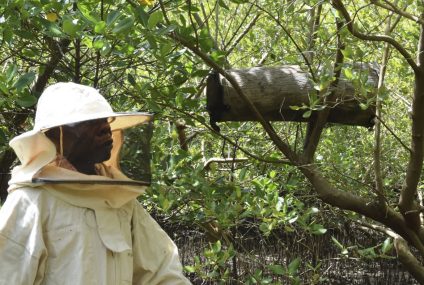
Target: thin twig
{"type": "Point", "coordinates": [393, 8]}
{"type": "Point", "coordinates": [377, 38]}
{"type": "Point", "coordinates": [393, 134]}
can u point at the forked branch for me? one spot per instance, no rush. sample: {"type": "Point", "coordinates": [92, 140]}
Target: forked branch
{"type": "Point", "coordinates": [376, 38]}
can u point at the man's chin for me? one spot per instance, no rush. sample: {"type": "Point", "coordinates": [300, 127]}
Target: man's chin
{"type": "Point", "coordinates": [102, 157]}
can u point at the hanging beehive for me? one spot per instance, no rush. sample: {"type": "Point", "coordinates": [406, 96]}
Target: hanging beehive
{"type": "Point", "coordinates": [280, 92]}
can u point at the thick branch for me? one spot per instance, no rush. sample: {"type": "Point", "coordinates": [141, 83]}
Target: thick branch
{"type": "Point", "coordinates": [377, 131]}
{"type": "Point", "coordinates": [407, 202]}
{"type": "Point", "coordinates": [408, 260]}
{"type": "Point", "coordinates": [316, 127]}
{"type": "Point", "coordinates": [376, 38]}
{"type": "Point", "coordinates": [348, 201]}
{"type": "Point", "coordinates": [58, 49]}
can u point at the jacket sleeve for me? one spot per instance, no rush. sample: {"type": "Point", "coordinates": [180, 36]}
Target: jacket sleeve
{"type": "Point", "coordinates": [156, 260]}
{"type": "Point", "coordinates": [22, 252]}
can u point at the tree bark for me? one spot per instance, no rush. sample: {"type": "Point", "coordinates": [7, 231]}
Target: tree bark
{"type": "Point", "coordinates": [277, 91]}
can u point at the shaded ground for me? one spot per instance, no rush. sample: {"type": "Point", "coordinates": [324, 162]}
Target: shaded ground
{"type": "Point", "coordinates": [256, 252]}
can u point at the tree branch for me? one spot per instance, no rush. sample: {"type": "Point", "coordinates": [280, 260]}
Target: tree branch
{"type": "Point", "coordinates": [377, 131]}
{"type": "Point", "coordinates": [282, 146]}
{"type": "Point", "coordinates": [376, 38]}
{"type": "Point", "coordinates": [308, 64]}
{"type": "Point", "coordinates": [245, 31]}
{"type": "Point", "coordinates": [316, 126]}
{"type": "Point", "coordinates": [408, 260]}
{"type": "Point", "coordinates": [227, 139]}
{"type": "Point", "coordinates": [207, 164]}
{"type": "Point", "coordinates": [58, 50]}
{"type": "Point", "coordinates": [393, 8]}
{"type": "Point", "coordinates": [327, 192]}
{"type": "Point", "coordinates": [393, 134]}
{"type": "Point", "coordinates": [407, 200]}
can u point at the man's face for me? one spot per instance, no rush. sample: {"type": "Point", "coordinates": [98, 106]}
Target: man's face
{"type": "Point", "coordinates": [89, 141]}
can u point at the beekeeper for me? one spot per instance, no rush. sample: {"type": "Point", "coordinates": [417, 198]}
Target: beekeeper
{"type": "Point", "coordinates": [71, 216]}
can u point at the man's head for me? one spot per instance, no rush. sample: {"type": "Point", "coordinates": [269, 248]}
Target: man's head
{"type": "Point", "coordinates": [71, 107]}
{"type": "Point", "coordinates": [83, 144]}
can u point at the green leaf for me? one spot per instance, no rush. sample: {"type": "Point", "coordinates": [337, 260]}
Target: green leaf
{"type": "Point", "coordinates": [24, 81]}
{"type": "Point", "coordinates": [294, 266]}
{"type": "Point", "coordinates": [318, 229]}
{"type": "Point", "coordinates": [368, 252]}
{"type": "Point", "coordinates": [71, 26]}
{"type": "Point", "coordinates": [189, 268]}
{"type": "Point", "coordinates": [179, 99]}
{"type": "Point", "coordinates": [223, 5]}
{"type": "Point", "coordinates": [112, 17]}
{"type": "Point", "coordinates": [3, 137]}
{"type": "Point", "coordinates": [54, 30]}
{"type": "Point", "coordinates": [242, 173]}
{"type": "Point", "coordinates": [3, 88]}
{"type": "Point", "coordinates": [143, 16]}
{"type": "Point", "coordinates": [296, 281]}
{"type": "Point", "coordinates": [347, 72]}
{"type": "Point", "coordinates": [200, 73]}
{"type": "Point", "coordinates": [27, 100]}
{"type": "Point", "coordinates": [99, 43]}
{"type": "Point", "coordinates": [106, 48]}
{"type": "Point", "coordinates": [363, 106]}
{"type": "Point", "coordinates": [11, 72]}
{"type": "Point", "coordinates": [154, 19]}
{"type": "Point", "coordinates": [347, 52]}
{"type": "Point", "coordinates": [337, 243]}
{"type": "Point", "coordinates": [123, 25]}
{"type": "Point", "coordinates": [265, 228]}
{"type": "Point", "coordinates": [307, 114]}
{"type": "Point", "coordinates": [86, 11]}
{"type": "Point", "coordinates": [131, 80]}
{"type": "Point", "coordinates": [238, 192]}
{"type": "Point", "coordinates": [277, 269]}
{"type": "Point", "coordinates": [216, 247]}
{"type": "Point", "coordinates": [165, 49]}
{"type": "Point", "coordinates": [153, 106]}
{"type": "Point", "coordinates": [205, 41]}
{"type": "Point", "coordinates": [100, 27]}
{"type": "Point", "coordinates": [387, 246]}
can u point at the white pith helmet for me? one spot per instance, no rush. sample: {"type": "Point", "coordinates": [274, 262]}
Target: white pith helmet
{"type": "Point", "coordinates": [62, 104]}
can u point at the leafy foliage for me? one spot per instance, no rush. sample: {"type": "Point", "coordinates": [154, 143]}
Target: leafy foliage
{"type": "Point", "coordinates": [155, 55]}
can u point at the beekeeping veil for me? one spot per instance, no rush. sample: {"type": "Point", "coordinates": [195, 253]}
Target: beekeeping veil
{"type": "Point", "coordinates": [69, 103]}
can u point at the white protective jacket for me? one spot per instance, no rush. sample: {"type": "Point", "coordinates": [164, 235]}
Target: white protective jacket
{"type": "Point", "coordinates": [59, 226]}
